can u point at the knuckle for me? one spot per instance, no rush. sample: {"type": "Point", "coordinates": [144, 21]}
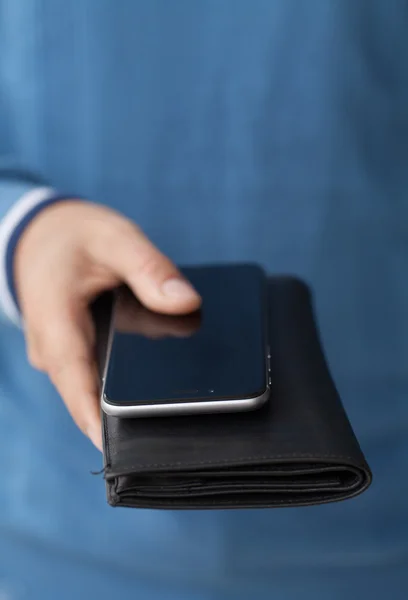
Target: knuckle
{"type": "Point", "coordinates": [35, 359]}
{"type": "Point", "coordinates": [33, 349]}
{"type": "Point", "coordinates": [54, 368]}
{"type": "Point", "coordinates": [57, 365]}
{"type": "Point", "coordinates": [154, 266]}
{"type": "Point", "coordinates": [148, 265]}
{"type": "Point", "coordinates": [63, 368]}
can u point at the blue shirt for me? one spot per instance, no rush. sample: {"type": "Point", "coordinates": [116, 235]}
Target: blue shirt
{"type": "Point", "coordinates": [273, 131]}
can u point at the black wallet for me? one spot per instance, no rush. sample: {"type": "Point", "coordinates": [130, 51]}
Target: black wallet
{"type": "Point", "coordinates": [298, 449]}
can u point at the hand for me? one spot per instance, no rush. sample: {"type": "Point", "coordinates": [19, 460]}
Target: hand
{"type": "Point", "coordinates": [69, 253]}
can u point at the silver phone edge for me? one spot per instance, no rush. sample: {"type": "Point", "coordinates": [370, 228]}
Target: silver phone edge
{"type": "Point", "coordinates": [185, 408]}
{"type": "Point", "coordinates": [108, 352]}
{"type": "Point", "coordinates": [181, 408]}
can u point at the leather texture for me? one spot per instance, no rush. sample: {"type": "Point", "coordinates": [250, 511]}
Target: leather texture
{"type": "Point", "coordinates": [298, 449]}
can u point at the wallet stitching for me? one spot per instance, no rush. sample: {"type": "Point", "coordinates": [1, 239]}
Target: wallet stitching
{"type": "Point", "coordinates": [328, 496]}
{"type": "Point", "coordinates": [316, 499]}
{"type": "Point", "coordinates": [242, 459]}
{"type": "Point", "coordinates": [107, 445]}
{"type": "Point", "coordinates": [274, 502]}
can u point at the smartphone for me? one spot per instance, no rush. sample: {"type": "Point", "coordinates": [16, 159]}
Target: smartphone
{"type": "Point", "coordinates": [215, 360]}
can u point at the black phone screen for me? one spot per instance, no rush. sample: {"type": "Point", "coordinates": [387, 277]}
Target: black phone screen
{"type": "Point", "coordinates": [218, 352]}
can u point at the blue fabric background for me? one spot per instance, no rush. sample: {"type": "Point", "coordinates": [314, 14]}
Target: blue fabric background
{"type": "Point", "coordinates": [266, 130]}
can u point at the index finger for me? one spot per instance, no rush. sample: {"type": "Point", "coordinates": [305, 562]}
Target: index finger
{"type": "Point", "coordinates": [68, 356]}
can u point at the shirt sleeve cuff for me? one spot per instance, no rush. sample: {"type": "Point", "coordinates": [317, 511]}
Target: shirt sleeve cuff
{"type": "Point", "coordinates": [11, 227]}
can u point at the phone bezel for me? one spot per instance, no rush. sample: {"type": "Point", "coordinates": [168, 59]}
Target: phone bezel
{"type": "Point", "coordinates": [185, 405]}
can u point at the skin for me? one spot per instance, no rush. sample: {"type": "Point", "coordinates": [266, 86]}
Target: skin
{"type": "Point", "coordinates": [68, 254]}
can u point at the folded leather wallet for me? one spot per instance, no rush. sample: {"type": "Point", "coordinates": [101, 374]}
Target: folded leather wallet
{"type": "Point", "coordinates": [298, 449]}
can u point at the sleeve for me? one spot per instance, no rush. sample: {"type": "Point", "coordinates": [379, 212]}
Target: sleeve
{"type": "Point", "coordinates": [20, 200]}
{"type": "Point", "coordinates": [21, 192]}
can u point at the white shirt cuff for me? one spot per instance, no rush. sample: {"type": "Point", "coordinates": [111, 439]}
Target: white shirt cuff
{"type": "Point", "coordinates": [8, 224]}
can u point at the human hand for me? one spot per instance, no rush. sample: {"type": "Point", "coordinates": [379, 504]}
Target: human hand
{"type": "Point", "coordinates": [68, 255]}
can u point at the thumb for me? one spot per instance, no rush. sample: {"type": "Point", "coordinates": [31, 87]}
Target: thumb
{"type": "Point", "coordinates": [153, 278]}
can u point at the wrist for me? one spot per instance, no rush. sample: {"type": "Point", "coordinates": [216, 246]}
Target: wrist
{"type": "Point", "coordinates": [40, 202]}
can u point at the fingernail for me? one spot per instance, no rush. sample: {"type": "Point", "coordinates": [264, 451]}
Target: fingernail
{"type": "Point", "coordinates": [95, 436]}
{"type": "Point", "coordinates": [179, 289]}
